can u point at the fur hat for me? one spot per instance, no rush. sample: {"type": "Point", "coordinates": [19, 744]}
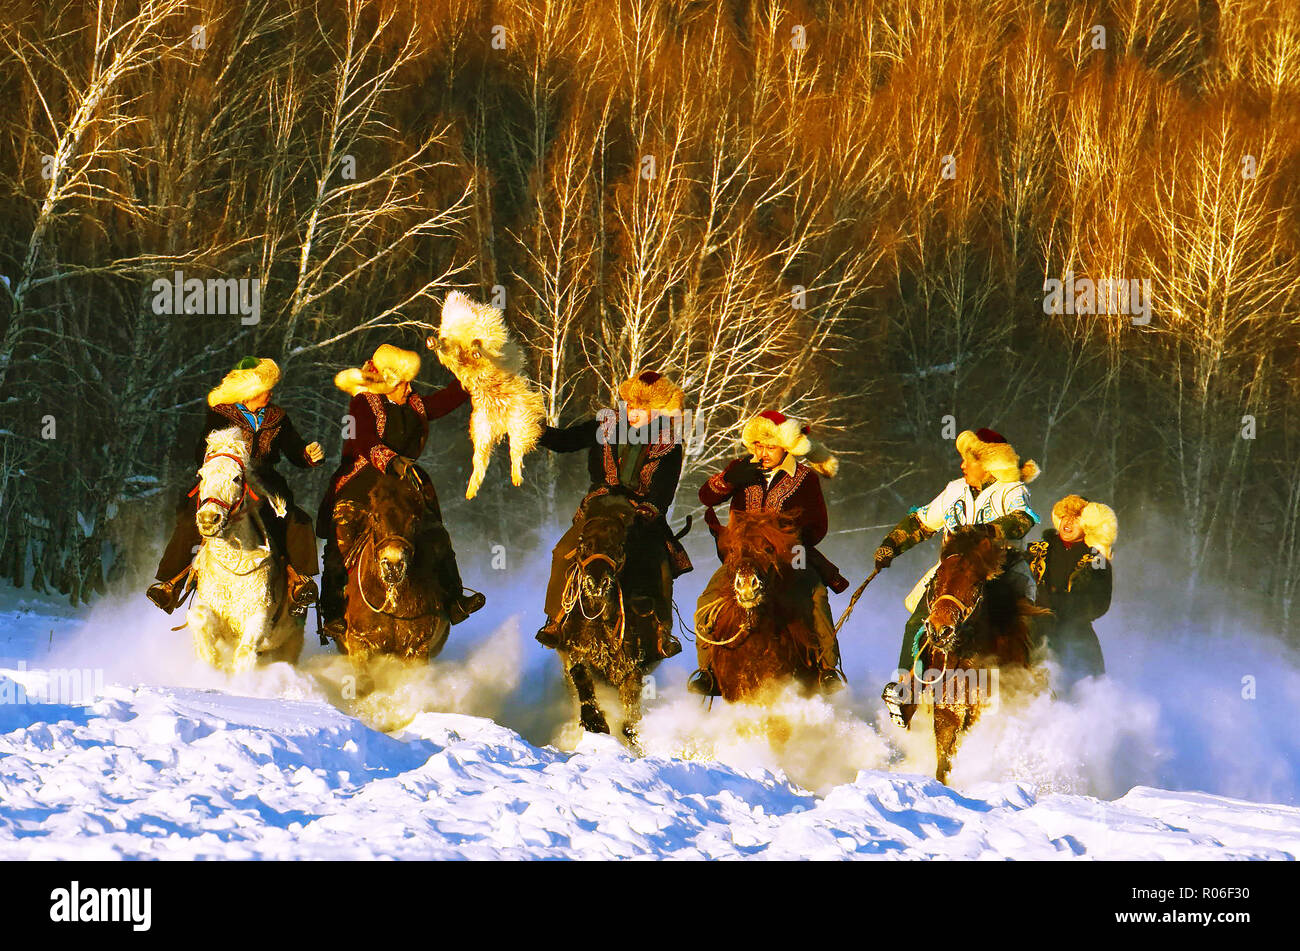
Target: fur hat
{"type": "Point", "coordinates": [388, 369]}
{"type": "Point", "coordinates": [1068, 507]}
{"type": "Point", "coordinates": [1100, 527]}
{"type": "Point", "coordinates": [774, 428]}
{"type": "Point", "coordinates": [991, 450]}
{"type": "Point", "coordinates": [651, 390]}
{"type": "Point", "coordinates": [251, 377]}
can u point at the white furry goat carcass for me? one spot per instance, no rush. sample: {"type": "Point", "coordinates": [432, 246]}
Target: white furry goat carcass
{"type": "Point", "coordinates": [473, 343]}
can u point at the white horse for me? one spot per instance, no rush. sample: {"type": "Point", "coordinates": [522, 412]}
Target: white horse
{"type": "Point", "coordinates": [240, 616]}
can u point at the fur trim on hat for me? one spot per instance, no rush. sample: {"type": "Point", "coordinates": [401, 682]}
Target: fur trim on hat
{"type": "Point", "coordinates": [243, 384]}
{"type": "Point", "coordinates": [1068, 507]}
{"type": "Point", "coordinates": [997, 457]}
{"type": "Point", "coordinates": [651, 390]}
{"type": "Point", "coordinates": [1100, 527]}
{"type": "Point", "coordinates": [388, 369]}
{"type": "Point", "coordinates": [774, 428]}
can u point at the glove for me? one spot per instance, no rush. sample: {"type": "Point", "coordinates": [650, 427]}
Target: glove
{"type": "Point", "coordinates": [405, 468]}
{"type": "Point", "coordinates": [884, 555]}
{"type": "Point", "coordinates": [745, 473]}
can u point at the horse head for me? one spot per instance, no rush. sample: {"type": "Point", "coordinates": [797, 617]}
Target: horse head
{"type": "Point", "coordinates": [600, 556]}
{"type": "Point", "coordinates": [757, 549]}
{"type": "Point", "coordinates": [970, 558]}
{"type": "Point", "coordinates": [391, 523]}
{"type": "Point", "coordinates": [227, 484]}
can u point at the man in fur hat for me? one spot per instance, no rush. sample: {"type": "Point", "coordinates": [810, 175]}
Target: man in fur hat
{"type": "Point", "coordinates": [390, 430]}
{"type": "Point", "coordinates": [992, 491]}
{"type": "Point", "coordinates": [243, 399]}
{"type": "Point", "coordinates": [1071, 567]}
{"type": "Point", "coordinates": [782, 474]}
{"type": "Point", "coordinates": [637, 458]}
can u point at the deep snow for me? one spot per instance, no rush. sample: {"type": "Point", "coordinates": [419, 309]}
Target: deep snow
{"type": "Point", "coordinates": [168, 760]}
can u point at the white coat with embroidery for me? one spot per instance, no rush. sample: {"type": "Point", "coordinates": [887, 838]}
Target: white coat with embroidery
{"type": "Point", "coordinates": [957, 505]}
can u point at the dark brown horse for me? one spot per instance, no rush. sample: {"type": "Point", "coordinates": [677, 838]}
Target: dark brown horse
{"type": "Point", "coordinates": [606, 630]}
{"type": "Point", "coordinates": [978, 627]}
{"type": "Point", "coordinates": [391, 543]}
{"type": "Point", "coordinates": [759, 627]}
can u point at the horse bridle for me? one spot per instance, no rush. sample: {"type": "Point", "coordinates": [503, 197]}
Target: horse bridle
{"type": "Point", "coordinates": [962, 618]}
{"type": "Point", "coordinates": [354, 561]}
{"type": "Point", "coordinates": [244, 487]}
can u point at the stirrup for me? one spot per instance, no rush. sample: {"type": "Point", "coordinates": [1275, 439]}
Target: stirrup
{"type": "Point", "coordinates": [830, 680]}
{"type": "Point", "coordinates": [893, 697]}
{"type": "Point", "coordinates": [704, 683]}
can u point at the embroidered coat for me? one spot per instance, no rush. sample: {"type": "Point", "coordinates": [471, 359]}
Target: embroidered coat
{"type": "Point", "coordinates": [275, 439]}
{"type": "Point", "coordinates": [1003, 503]}
{"type": "Point", "coordinates": [646, 473]}
{"type": "Point", "coordinates": [795, 489]}
{"type": "Point", "coordinates": [383, 430]}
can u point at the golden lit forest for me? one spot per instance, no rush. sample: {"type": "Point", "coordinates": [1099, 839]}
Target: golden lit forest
{"type": "Point", "coordinates": [848, 209]}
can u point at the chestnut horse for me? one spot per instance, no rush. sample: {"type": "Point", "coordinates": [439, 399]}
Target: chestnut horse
{"type": "Point", "coordinates": [758, 629]}
{"type": "Point", "coordinates": [391, 544]}
{"type": "Point", "coordinates": [607, 632]}
{"type": "Point", "coordinates": [978, 624]}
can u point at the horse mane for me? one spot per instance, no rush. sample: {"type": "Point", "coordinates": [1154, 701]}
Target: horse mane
{"type": "Point", "coordinates": [229, 440]}
{"type": "Point", "coordinates": [765, 538]}
{"type": "Point", "coordinates": [978, 548]}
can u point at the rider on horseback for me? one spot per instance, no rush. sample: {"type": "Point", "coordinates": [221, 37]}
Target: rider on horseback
{"type": "Point", "coordinates": [1072, 571]}
{"type": "Point", "coordinates": [627, 458]}
{"type": "Point", "coordinates": [243, 399]}
{"type": "Point", "coordinates": [782, 475]}
{"type": "Point", "coordinates": [390, 427]}
{"type": "Point", "coordinates": [992, 491]}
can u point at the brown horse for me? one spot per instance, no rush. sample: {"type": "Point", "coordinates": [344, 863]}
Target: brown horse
{"type": "Point", "coordinates": [758, 628]}
{"type": "Point", "coordinates": [606, 631]}
{"type": "Point", "coordinates": [978, 626]}
{"type": "Point", "coordinates": [391, 544]}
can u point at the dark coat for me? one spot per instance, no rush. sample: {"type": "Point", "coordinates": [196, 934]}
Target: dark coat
{"type": "Point", "coordinates": [799, 495]}
{"type": "Point", "coordinates": [646, 474]}
{"type": "Point", "coordinates": [1075, 583]}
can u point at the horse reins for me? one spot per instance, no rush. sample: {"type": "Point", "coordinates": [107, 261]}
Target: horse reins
{"type": "Point", "coordinates": [572, 595]}
{"type": "Point", "coordinates": [244, 487]}
{"type": "Point", "coordinates": [354, 561]}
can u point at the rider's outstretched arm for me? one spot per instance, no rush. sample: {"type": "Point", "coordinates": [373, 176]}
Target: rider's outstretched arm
{"type": "Point", "coordinates": [291, 444]}
{"type": "Point", "coordinates": [441, 402]}
{"type": "Point", "coordinates": [910, 531]}
{"type": "Point", "coordinates": [569, 438]}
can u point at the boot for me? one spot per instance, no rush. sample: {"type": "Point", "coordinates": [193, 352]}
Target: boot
{"type": "Point", "coordinates": [830, 680]}
{"type": "Point", "coordinates": [459, 608]}
{"type": "Point", "coordinates": [168, 595]}
{"type": "Point", "coordinates": [900, 712]}
{"type": "Point", "coordinates": [302, 592]}
{"type": "Point", "coordinates": [549, 634]}
{"type": "Point", "coordinates": [704, 683]}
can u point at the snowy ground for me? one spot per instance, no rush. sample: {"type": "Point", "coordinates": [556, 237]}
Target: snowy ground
{"type": "Point", "coordinates": [164, 760]}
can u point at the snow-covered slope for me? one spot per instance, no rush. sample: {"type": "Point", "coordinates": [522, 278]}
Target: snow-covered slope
{"type": "Point", "coordinates": [199, 766]}
{"type": "Point", "coordinates": [183, 773]}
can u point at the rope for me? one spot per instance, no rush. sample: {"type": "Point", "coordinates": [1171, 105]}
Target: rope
{"type": "Point", "coordinates": [706, 616]}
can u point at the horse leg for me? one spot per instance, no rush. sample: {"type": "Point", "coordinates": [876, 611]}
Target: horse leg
{"type": "Point", "coordinates": [947, 725]}
{"type": "Point", "coordinates": [589, 715]}
{"type": "Point", "coordinates": [629, 693]}
{"type": "Point", "coordinates": [203, 625]}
